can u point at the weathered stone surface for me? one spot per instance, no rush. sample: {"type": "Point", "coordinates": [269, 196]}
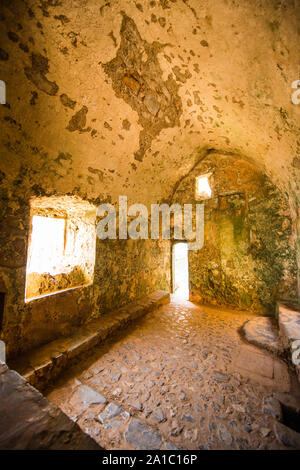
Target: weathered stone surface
{"type": "Point", "coordinates": [115, 378]}
{"type": "Point", "coordinates": [142, 437]}
{"type": "Point", "coordinates": [46, 363]}
{"type": "Point", "coordinates": [262, 332]}
{"type": "Point", "coordinates": [287, 436]}
{"type": "Point", "coordinates": [262, 367]}
{"type": "Point", "coordinates": [171, 446]}
{"type": "Point", "coordinates": [289, 401]}
{"type": "Point", "coordinates": [113, 416]}
{"type": "Point", "coordinates": [244, 260]}
{"type": "Point", "coordinates": [209, 120]}
{"type": "Point", "coordinates": [159, 415]}
{"type": "Point", "coordinates": [271, 406]}
{"type": "Point", "coordinates": [220, 376]}
{"type": "Point", "coordinates": [85, 396]}
{"type": "Point", "coordinates": [289, 328]}
{"type": "Point", "coordinates": [136, 405]}
{"type": "Point", "coordinates": [3, 368]}
{"type": "Point", "coordinates": [289, 324]}
{"type": "Point", "coordinates": [37, 74]}
{"type": "Point", "coordinates": [164, 352]}
{"type": "Point", "coordinates": [139, 82]}
{"type": "Point", "coordinates": [29, 421]}
{"type": "Point", "coordinates": [225, 434]}
{"type": "Point", "coordinates": [57, 62]}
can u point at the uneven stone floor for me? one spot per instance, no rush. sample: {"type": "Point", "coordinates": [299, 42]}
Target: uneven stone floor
{"type": "Point", "coordinates": [180, 377]}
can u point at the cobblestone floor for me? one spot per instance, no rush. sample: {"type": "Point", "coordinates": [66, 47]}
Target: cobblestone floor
{"type": "Point", "coordinates": [170, 381]}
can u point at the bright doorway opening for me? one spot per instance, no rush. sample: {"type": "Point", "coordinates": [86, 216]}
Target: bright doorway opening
{"type": "Point", "coordinates": [180, 265]}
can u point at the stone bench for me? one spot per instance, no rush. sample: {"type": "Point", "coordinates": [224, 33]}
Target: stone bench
{"type": "Point", "coordinates": [289, 329]}
{"type": "Point", "coordinates": [29, 421]}
{"type": "Point", "coordinates": [44, 364]}
{"type": "Point", "coordinates": [280, 335]}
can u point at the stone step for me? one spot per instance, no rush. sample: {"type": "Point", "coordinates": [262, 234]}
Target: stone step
{"type": "Point", "coordinates": [43, 365]}
{"type": "Point", "coordinates": [29, 422]}
{"type": "Point", "coordinates": [263, 332]}
{"type": "Point", "coordinates": [288, 316]}
{"type": "Point", "coordinates": [280, 335]}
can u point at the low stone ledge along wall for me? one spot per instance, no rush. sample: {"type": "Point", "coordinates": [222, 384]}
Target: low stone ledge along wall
{"type": "Point", "coordinates": [289, 328]}
{"type": "Point", "coordinates": [42, 366]}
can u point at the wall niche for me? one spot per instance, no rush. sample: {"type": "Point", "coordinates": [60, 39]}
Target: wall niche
{"type": "Point", "coordinates": [61, 249]}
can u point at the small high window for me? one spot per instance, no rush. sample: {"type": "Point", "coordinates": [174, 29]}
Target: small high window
{"type": "Point", "coordinates": [203, 189]}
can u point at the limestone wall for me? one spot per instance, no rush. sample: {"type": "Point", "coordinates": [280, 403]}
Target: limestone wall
{"type": "Point", "coordinates": [124, 270]}
{"type": "Point", "coordinates": [248, 259]}
{"type": "Point", "coordinates": [121, 98]}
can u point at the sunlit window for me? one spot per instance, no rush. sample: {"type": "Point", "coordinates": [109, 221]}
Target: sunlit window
{"type": "Point", "coordinates": [203, 189]}
{"type": "Point", "coordinates": [47, 245]}
{"type": "Point", "coordinates": [62, 242]}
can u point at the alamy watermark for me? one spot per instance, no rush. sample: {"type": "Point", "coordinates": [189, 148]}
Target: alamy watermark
{"type": "Point", "coordinates": [296, 94]}
{"type": "Point", "coordinates": [2, 352]}
{"type": "Point", "coordinates": [296, 352]}
{"type": "Point", "coordinates": [2, 92]}
{"type": "Point", "coordinates": [133, 222]}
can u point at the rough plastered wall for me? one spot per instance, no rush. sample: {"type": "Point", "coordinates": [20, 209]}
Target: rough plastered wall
{"type": "Point", "coordinates": [248, 259]}
{"type": "Point", "coordinates": [103, 96]}
{"type": "Point", "coordinates": [121, 97]}
{"type": "Point", "coordinates": [124, 270]}
{"type": "Point", "coordinates": [133, 267]}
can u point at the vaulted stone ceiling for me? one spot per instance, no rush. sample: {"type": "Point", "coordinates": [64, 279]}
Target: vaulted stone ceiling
{"type": "Point", "coordinates": [123, 97]}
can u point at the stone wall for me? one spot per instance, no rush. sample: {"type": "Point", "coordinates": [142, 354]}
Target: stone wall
{"type": "Point", "coordinates": [120, 99]}
{"type": "Point", "coordinates": [124, 270]}
{"type": "Point", "coordinates": [248, 258]}
{"type": "Point", "coordinates": [130, 269]}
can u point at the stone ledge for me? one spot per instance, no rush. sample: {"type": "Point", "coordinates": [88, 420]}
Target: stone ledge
{"type": "Point", "coordinates": [30, 422]}
{"type": "Point", "coordinates": [289, 324]}
{"type": "Point", "coordinates": [287, 436]}
{"type": "Point", "coordinates": [289, 328]}
{"type": "Point", "coordinates": [262, 332]}
{"type": "Point", "coordinates": [41, 366]}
